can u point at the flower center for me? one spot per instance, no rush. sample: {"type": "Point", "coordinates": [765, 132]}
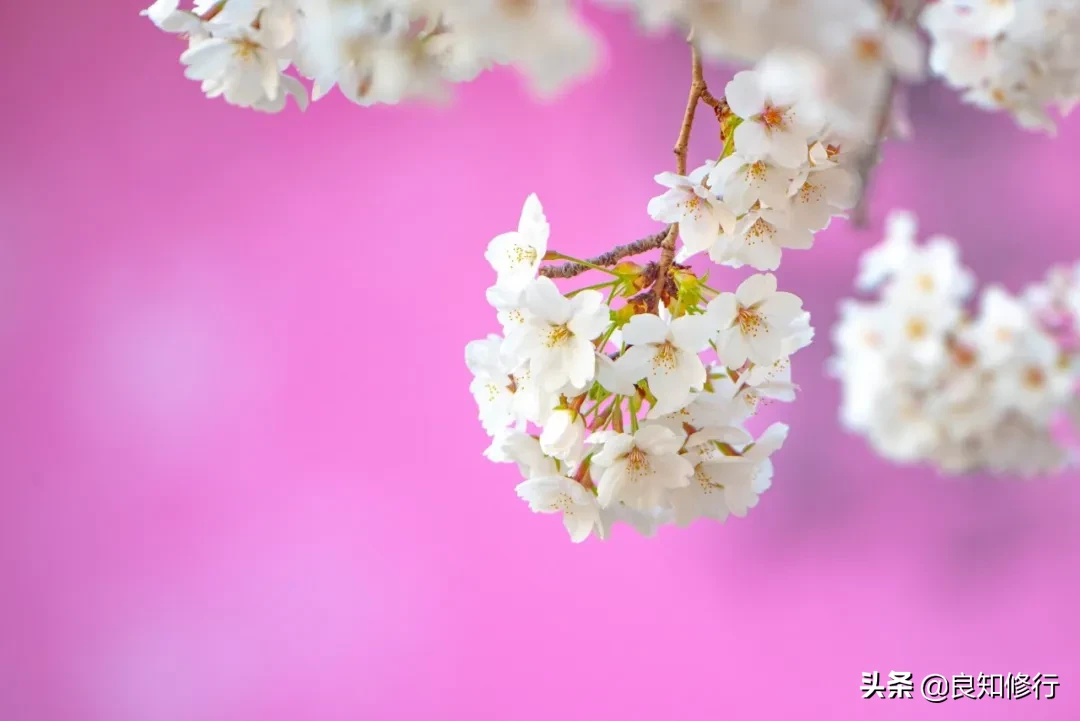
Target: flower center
{"type": "Point", "coordinates": [1034, 378]}
{"type": "Point", "coordinates": [517, 9]}
{"type": "Point", "coordinates": [868, 49]}
{"type": "Point", "coordinates": [558, 335]}
{"type": "Point", "coordinates": [809, 193]}
{"type": "Point", "coordinates": [759, 230]}
{"type": "Point", "coordinates": [637, 462]}
{"type": "Point", "coordinates": [916, 329]}
{"type": "Point", "coordinates": [664, 356]}
{"type": "Point", "coordinates": [757, 172]}
{"type": "Point", "coordinates": [774, 118]}
{"type": "Point", "coordinates": [706, 482]}
{"type": "Point", "coordinates": [750, 322]}
{"type": "Point", "coordinates": [245, 48]}
{"type": "Point", "coordinates": [964, 356]}
{"type": "Point", "coordinates": [522, 254]}
{"type": "Point", "coordinates": [562, 502]}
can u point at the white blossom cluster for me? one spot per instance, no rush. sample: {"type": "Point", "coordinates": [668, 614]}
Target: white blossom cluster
{"type": "Point", "coordinates": [927, 380]}
{"type": "Point", "coordinates": [841, 55]}
{"type": "Point", "coordinates": [253, 52]}
{"type": "Point", "coordinates": [1021, 56]}
{"type": "Point", "coordinates": [784, 174]}
{"type": "Point", "coordinates": [615, 409]}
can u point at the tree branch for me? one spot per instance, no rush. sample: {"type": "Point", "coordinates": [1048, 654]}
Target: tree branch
{"type": "Point", "coordinates": [667, 248]}
{"type": "Point", "coordinates": [906, 14]}
{"type": "Point", "coordinates": [613, 256]}
{"type": "Point", "coordinates": [868, 160]}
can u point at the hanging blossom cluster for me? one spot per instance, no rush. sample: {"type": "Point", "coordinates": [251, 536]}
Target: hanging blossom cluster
{"type": "Point", "coordinates": [844, 56]}
{"type": "Point", "coordinates": [927, 380]}
{"type": "Point", "coordinates": [625, 400]}
{"type": "Point", "coordinates": [254, 52]}
{"type": "Point", "coordinates": [1021, 56]}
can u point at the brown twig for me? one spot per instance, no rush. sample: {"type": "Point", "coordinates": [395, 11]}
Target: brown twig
{"type": "Point", "coordinates": [613, 256]}
{"type": "Point", "coordinates": [667, 248]}
{"type": "Point", "coordinates": [719, 105]}
{"type": "Point", "coordinates": [903, 14]}
{"type": "Point", "coordinates": [869, 158]}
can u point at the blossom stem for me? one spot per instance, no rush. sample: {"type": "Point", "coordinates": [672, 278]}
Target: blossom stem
{"type": "Point", "coordinates": [214, 11]}
{"type": "Point", "coordinates": [667, 248]}
{"type": "Point", "coordinates": [598, 286]}
{"type": "Point", "coordinates": [860, 216]}
{"type": "Point", "coordinates": [613, 256]}
{"type": "Point", "coordinates": [726, 449]}
{"type": "Point", "coordinates": [588, 264]}
{"type": "Point", "coordinates": [616, 415]}
{"type": "Point", "coordinates": [606, 337]}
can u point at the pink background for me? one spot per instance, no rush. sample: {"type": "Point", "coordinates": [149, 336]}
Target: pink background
{"type": "Point", "coordinates": [240, 466]}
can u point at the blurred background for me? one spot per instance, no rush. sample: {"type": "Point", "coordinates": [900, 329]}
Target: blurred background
{"type": "Point", "coordinates": [241, 470]}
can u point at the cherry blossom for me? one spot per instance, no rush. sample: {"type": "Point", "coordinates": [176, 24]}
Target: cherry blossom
{"type": "Point", "coordinates": [965, 391]}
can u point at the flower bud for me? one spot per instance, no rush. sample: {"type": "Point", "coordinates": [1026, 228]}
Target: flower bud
{"type": "Point", "coordinates": [563, 436]}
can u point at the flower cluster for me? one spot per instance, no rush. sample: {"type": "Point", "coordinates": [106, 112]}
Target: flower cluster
{"type": "Point", "coordinates": [375, 51]}
{"type": "Point", "coordinates": [840, 55]}
{"type": "Point", "coordinates": [631, 407]}
{"type": "Point", "coordinates": [632, 423]}
{"type": "Point", "coordinates": [1018, 56]}
{"type": "Point", "coordinates": [924, 379]}
{"type": "Point", "coordinates": [783, 175]}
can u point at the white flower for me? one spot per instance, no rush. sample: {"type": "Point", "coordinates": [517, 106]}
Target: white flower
{"type": "Point", "coordinates": [703, 497]}
{"type": "Point", "coordinates": [728, 482]}
{"type": "Point", "coordinates": [492, 386]}
{"type": "Point", "coordinates": [775, 124]}
{"type": "Point", "coordinates": [754, 321]}
{"type": "Point", "coordinates": [744, 182]}
{"type": "Point", "coordinates": [884, 260]}
{"type": "Point", "coordinates": [167, 16]}
{"type": "Point", "coordinates": [644, 522]}
{"type": "Point", "coordinates": [706, 409]}
{"type": "Point", "coordinates": [919, 330]}
{"type": "Point", "coordinates": [749, 475]}
{"type": "Point", "coordinates": [1036, 383]}
{"type": "Point", "coordinates": [1002, 324]}
{"type": "Point", "coordinates": [925, 383]}
{"type": "Point", "coordinates": [240, 64]}
{"type": "Point", "coordinates": [510, 306]}
{"type": "Point", "coordinates": [613, 377]}
{"type": "Point", "coordinates": [759, 239]}
{"type": "Point", "coordinates": [702, 217]}
{"type": "Point", "coordinates": [821, 194]}
{"type": "Point", "coordinates": [638, 469]}
{"type": "Point", "coordinates": [666, 353]}
{"type": "Point", "coordinates": [932, 274]}
{"type": "Point", "coordinates": [458, 59]}
{"type": "Point", "coordinates": [546, 40]}
{"type": "Point", "coordinates": [563, 436]}
{"type": "Point", "coordinates": [516, 256]}
{"type": "Point", "coordinates": [554, 494]}
{"type": "Point", "coordinates": [556, 340]}
{"type": "Point", "coordinates": [524, 450]}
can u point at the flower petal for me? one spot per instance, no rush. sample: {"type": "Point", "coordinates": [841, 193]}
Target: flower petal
{"type": "Point", "coordinates": [745, 94]}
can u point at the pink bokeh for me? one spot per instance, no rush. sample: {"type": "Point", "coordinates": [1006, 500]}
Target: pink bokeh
{"type": "Point", "coordinates": [241, 468]}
